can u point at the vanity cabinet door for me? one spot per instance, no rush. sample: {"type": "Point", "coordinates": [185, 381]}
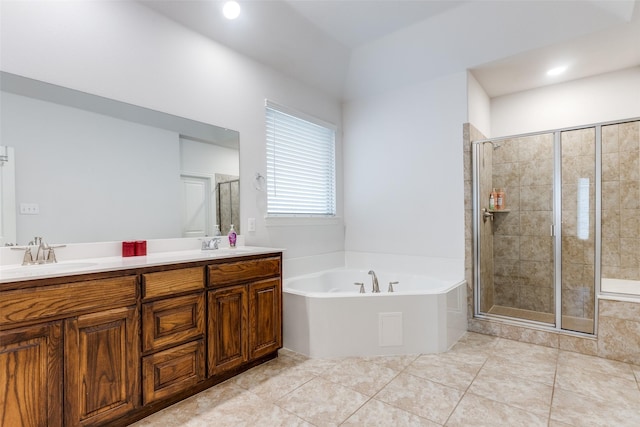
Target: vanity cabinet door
{"type": "Point", "coordinates": [31, 376]}
{"type": "Point", "coordinates": [227, 334]}
{"type": "Point", "coordinates": [171, 321]}
{"type": "Point", "coordinates": [102, 359]}
{"type": "Point", "coordinates": [265, 317]}
{"type": "Point", "coordinates": [172, 371]}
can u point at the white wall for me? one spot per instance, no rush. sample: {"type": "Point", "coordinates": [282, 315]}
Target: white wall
{"type": "Point", "coordinates": [600, 98]}
{"type": "Point", "coordinates": [121, 191]}
{"type": "Point", "coordinates": [478, 106]}
{"type": "Point", "coordinates": [201, 158]}
{"type": "Point", "coordinates": [124, 51]}
{"type": "Point", "coordinates": [403, 170]}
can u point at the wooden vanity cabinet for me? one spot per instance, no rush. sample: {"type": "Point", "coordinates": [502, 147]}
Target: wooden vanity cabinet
{"type": "Point", "coordinates": [111, 348]}
{"type": "Point", "coordinates": [69, 352]}
{"type": "Point", "coordinates": [228, 328]}
{"type": "Point", "coordinates": [31, 376]}
{"type": "Point", "coordinates": [245, 312]}
{"type": "Point", "coordinates": [173, 326]}
{"type": "Point", "coordinates": [101, 359]}
{"type": "Point", "coordinates": [265, 317]}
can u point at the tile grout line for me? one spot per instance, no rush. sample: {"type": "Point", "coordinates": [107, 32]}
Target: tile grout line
{"type": "Point", "coordinates": [313, 377]}
{"type": "Point", "coordinates": [464, 393]}
{"type": "Point", "coordinates": [493, 353]}
{"type": "Point", "coordinates": [553, 389]}
{"type": "Point", "coordinates": [378, 392]}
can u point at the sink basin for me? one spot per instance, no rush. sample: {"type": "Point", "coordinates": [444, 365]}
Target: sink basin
{"type": "Point", "coordinates": [44, 269]}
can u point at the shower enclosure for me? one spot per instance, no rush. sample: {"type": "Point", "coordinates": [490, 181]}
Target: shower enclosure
{"type": "Point", "coordinates": [570, 213]}
{"type": "Point", "coordinates": [228, 203]}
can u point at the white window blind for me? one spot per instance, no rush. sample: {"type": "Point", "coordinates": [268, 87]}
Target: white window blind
{"type": "Point", "coordinates": [300, 165]}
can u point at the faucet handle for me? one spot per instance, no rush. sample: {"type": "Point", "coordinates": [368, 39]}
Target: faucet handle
{"type": "Point", "coordinates": [28, 257]}
{"type": "Point", "coordinates": [391, 286]}
{"type": "Point", "coordinates": [214, 242]}
{"type": "Point", "coordinates": [51, 256]}
{"type": "Point", "coordinates": [361, 286]}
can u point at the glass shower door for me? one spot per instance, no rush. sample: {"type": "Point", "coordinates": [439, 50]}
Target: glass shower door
{"type": "Point", "coordinates": [516, 246]}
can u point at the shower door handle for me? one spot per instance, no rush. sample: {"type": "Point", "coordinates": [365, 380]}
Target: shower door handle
{"type": "Point", "coordinates": [486, 215]}
{"type": "Point", "coordinates": [553, 230]}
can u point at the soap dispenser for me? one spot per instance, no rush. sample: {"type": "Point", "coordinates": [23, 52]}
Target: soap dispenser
{"type": "Point", "coordinates": [232, 237]}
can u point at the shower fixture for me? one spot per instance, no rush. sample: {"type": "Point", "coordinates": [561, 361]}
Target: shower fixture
{"type": "Point", "coordinates": [495, 145]}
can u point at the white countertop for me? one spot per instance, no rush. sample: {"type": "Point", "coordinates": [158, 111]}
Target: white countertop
{"type": "Point", "coordinates": [17, 272]}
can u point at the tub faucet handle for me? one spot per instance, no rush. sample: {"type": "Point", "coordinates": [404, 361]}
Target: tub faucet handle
{"type": "Point", "coordinates": [361, 286]}
{"type": "Point", "coordinates": [391, 286]}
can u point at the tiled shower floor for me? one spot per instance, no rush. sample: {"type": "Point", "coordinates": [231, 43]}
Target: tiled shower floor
{"type": "Point", "coordinates": [481, 381]}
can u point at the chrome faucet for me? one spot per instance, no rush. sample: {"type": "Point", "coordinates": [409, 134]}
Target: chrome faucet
{"type": "Point", "coordinates": [45, 253]}
{"type": "Point", "coordinates": [42, 248]}
{"type": "Point", "coordinates": [374, 281]}
{"type": "Point", "coordinates": [210, 244]}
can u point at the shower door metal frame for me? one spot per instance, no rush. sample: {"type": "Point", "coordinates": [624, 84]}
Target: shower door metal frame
{"type": "Point", "coordinates": [476, 146]}
{"type": "Point", "coordinates": [556, 227]}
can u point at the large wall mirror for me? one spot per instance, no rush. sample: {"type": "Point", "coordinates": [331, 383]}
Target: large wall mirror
{"type": "Point", "coordinates": [88, 169]}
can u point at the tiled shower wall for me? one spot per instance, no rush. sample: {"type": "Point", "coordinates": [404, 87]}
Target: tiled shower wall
{"type": "Point", "coordinates": [618, 334]}
{"type": "Point", "coordinates": [621, 201]}
{"type": "Point", "coordinates": [523, 246]}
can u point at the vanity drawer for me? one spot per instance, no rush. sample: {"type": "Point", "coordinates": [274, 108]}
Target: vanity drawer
{"type": "Point", "coordinates": [242, 271]}
{"type": "Point", "coordinates": [172, 371]}
{"type": "Point", "coordinates": [164, 283]}
{"type": "Point", "coordinates": [69, 299]}
{"type": "Point", "coordinates": [172, 320]}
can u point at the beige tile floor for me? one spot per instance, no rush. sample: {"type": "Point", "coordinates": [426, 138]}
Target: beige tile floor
{"type": "Point", "coordinates": [481, 381]}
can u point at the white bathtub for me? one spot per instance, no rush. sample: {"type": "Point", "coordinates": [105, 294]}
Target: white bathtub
{"type": "Point", "coordinates": [326, 316]}
{"type": "Point", "coordinates": [619, 289]}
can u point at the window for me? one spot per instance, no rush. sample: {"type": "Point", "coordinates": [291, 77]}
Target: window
{"type": "Point", "coordinates": [300, 165]}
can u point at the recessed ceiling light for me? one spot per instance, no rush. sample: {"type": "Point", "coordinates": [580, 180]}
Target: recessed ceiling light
{"type": "Point", "coordinates": [557, 71]}
{"type": "Point", "coordinates": [231, 10]}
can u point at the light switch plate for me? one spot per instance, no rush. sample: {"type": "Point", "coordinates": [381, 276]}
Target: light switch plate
{"type": "Point", "coordinates": [29, 209]}
{"type": "Point", "coordinates": [251, 224]}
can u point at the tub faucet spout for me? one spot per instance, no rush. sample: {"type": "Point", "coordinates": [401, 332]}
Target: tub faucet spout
{"type": "Point", "coordinates": [374, 282]}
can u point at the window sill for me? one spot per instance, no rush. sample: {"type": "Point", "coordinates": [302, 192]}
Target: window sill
{"type": "Point", "coordinates": [293, 221]}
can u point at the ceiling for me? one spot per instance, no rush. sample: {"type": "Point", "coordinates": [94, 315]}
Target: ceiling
{"type": "Point", "coordinates": [356, 48]}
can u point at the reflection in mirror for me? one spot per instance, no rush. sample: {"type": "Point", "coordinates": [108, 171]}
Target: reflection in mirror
{"type": "Point", "coordinates": [7, 196]}
{"type": "Point", "coordinates": [228, 192]}
{"type": "Point", "coordinates": [205, 170]}
{"type": "Point", "coordinates": [102, 170]}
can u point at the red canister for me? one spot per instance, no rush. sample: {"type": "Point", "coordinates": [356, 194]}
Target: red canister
{"type": "Point", "coordinates": [141, 248]}
{"type": "Point", "coordinates": [128, 249]}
